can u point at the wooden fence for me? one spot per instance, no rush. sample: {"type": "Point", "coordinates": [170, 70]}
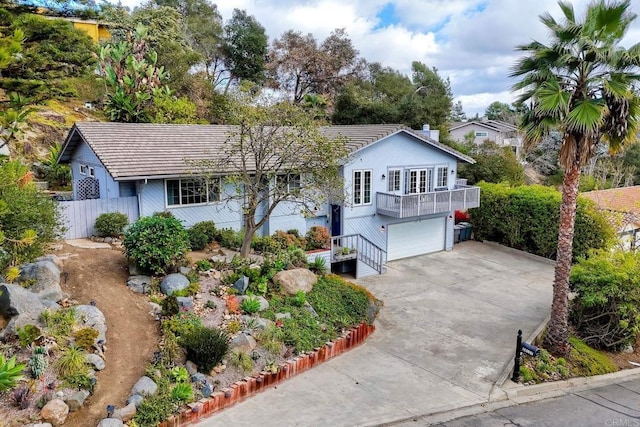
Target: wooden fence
{"type": "Point", "coordinates": [79, 216]}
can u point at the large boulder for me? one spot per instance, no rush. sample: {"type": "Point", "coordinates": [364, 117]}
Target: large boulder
{"type": "Point", "coordinates": [173, 283]}
{"type": "Point", "coordinates": [139, 284]}
{"type": "Point", "coordinates": [136, 400]}
{"type": "Point", "coordinates": [185, 303]}
{"type": "Point", "coordinates": [54, 259]}
{"type": "Point", "coordinates": [55, 412]}
{"type": "Point", "coordinates": [20, 306]}
{"type": "Point", "coordinates": [298, 279]}
{"type": "Point", "coordinates": [76, 400]}
{"type": "Point", "coordinates": [90, 315]}
{"type": "Point", "coordinates": [96, 361]}
{"type": "Point", "coordinates": [145, 387]}
{"type": "Point", "coordinates": [243, 343]}
{"type": "Point", "coordinates": [110, 422]}
{"type": "Point", "coordinates": [42, 278]}
{"type": "Point", "coordinates": [126, 413]}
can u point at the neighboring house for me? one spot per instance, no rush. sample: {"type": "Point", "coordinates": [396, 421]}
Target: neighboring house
{"type": "Point", "coordinates": [98, 31]}
{"type": "Point", "coordinates": [400, 185]}
{"type": "Point", "coordinates": [624, 204]}
{"type": "Point", "coordinates": [502, 133]}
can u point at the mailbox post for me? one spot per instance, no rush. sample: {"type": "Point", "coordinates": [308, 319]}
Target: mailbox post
{"type": "Point", "coordinates": [522, 347]}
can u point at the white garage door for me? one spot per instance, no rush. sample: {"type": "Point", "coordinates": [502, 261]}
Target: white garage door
{"type": "Point", "coordinates": [415, 238]}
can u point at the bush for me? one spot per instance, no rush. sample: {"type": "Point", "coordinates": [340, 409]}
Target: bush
{"type": "Point", "coordinates": [284, 240]}
{"type": "Point", "coordinates": [527, 218]}
{"type": "Point", "coordinates": [111, 224]}
{"type": "Point", "coordinates": [229, 238]}
{"type": "Point", "coordinates": [182, 392]}
{"type": "Point", "coordinates": [170, 306]}
{"type": "Point", "coordinates": [265, 244]}
{"type": "Point", "coordinates": [250, 304]}
{"type": "Point", "coordinates": [29, 220]}
{"type": "Point", "coordinates": [585, 361]}
{"type": "Point", "coordinates": [86, 337]}
{"type": "Point", "coordinates": [317, 238]}
{"type": "Point", "coordinates": [241, 360]}
{"type": "Point", "coordinates": [206, 347]}
{"type": "Point", "coordinates": [156, 244]}
{"type": "Point", "coordinates": [606, 308]}
{"type": "Point", "coordinates": [204, 265]}
{"type": "Point", "coordinates": [493, 164]}
{"type": "Point", "coordinates": [182, 323]}
{"type": "Point", "coordinates": [71, 362]}
{"type": "Point", "coordinates": [28, 334]}
{"type": "Point", "coordinates": [201, 234]}
{"type": "Point", "coordinates": [319, 265]}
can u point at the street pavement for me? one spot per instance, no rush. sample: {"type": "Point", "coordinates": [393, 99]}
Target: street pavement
{"type": "Point", "coordinates": [444, 340]}
{"type": "Point", "coordinates": [616, 405]}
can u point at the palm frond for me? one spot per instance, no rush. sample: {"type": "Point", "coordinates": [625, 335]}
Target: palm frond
{"type": "Point", "coordinates": [586, 116]}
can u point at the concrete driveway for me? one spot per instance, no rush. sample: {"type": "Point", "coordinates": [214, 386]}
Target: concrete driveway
{"type": "Point", "coordinates": [444, 337]}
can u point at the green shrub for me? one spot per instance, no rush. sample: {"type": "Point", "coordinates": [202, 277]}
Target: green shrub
{"type": "Point", "coordinates": [319, 265]}
{"type": "Point", "coordinates": [182, 323]}
{"type": "Point", "coordinates": [493, 164]}
{"type": "Point", "coordinates": [10, 372]}
{"type": "Point", "coordinates": [250, 304]}
{"type": "Point", "coordinates": [271, 339]}
{"type": "Point", "coordinates": [241, 360]}
{"type": "Point", "coordinates": [317, 237]}
{"type": "Point", "coordinates": [299, 299]}
{"type": "Point", "coordinates": [28, 334]}
{"type": "Point", "coordinates": [189, 291]}
{"type": "Point", "coordinates": [204, 265]}
{"type": "Point", "coordinates": [156, 244]}
{"type": "Point", "coordinates": [170, 306]}
{"type": "Point", "coordinates": [29, 220]}
{"type": "Point", "coordinates": [155, 409]}
{"type": "Point", "coordinates": [284, 240]}
{"type": "Point", "coordinates": [265, 244]}
{"type": "Point", "coordinates": [233, 327]}
{"type": "Point", "coordinates": [71, 362]}
{"type": "Point", "coordinates": [60, 323]}
{"type": "Point", "coordinates": [111, 224]}
{"type": "Point", "coordinates": [86, 337]}
{"type": "Point", "coordinates": [180, 374]}
{"type": "Point", "coordinates": [527, 218]}
{"type": "Point", "coordinates": [229, 238]}
{"type": "Point", "coordinates": [606, 309]}
{"type": "Point", "coordinates": [206, 347]}
{"type": "Point", "coordinates": [201, 234]}
{"type": "Point", "coordinates": [341, 303]}
{"type": "Point", "coordinates": [182, 392]}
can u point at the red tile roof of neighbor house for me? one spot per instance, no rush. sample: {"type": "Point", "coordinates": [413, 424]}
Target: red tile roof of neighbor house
{"type": "Point", "coordinates": [623, 199]}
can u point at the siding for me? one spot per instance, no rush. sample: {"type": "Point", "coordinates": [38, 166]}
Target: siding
{"type": "Point", "coordinates": [79, 216]}
{"type": "Point", "coordinates": [83, 155]}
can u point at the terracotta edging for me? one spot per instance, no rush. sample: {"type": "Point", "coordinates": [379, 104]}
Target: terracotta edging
{"type": "Point", "coordinates": [248, 386]}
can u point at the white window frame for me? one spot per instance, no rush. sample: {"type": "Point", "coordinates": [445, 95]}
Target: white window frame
{"type": "Point", "coordinates": [293, 182]}
{"type": "Point", "coordinates": [423, 180]}
{"type": "Point", "coordinates": [83, 169]}
{"type": "Point", "coordinates": [441, 171]}
{"type": "Point", "coordinates": [394, 183]}
{"type": "Point", "coordinates": [480, 134]}
{"type": "Point", "coordinates": [362, 187]}
{"type": "Point", "coordinates": [210, 183]}
{"type": "Point", "coordinates": [92, 172]}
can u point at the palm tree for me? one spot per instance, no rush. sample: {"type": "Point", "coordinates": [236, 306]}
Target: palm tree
{"type": "Point", "coordinates": [584, 85]}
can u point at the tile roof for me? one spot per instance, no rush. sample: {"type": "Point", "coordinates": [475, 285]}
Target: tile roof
{"type": "Point", "coordinates": [497, 125]}
{"type": "Point", "coordinates": [623, 199]}
{"type": "Point", "coordinates": [139, 150]}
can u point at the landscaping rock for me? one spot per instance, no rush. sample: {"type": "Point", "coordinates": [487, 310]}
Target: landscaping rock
{"type": "Point", "coordinates": [134, 270]}
{"type": "Point", "coordinates": [54, 259]}
{"type": "Point", "coordinates": [244, 343]}
{"type": "Point", "coordinates": [42, 425]}
{"type": "Point", "coordinates": [145, 387]}
{"type": "Point", "coordinates": [260, 322]}
{"type": "Point", "coordinates": [20, 306]}
{"type": "Point", "coordinates": [125, 414]}
{"type": "Point", "coordinates": [51, 305]}
{"type": "Point", "coordinates": [298, 279]}
{"type": "Point", "coordinates": [55, 412]}
{"type": "Point", "coordinates": [42, 278]}
{"type": "Point", "coordinates": [95, 360]}
{"type": "Point", "coordinates": [217, 275]}
{"type": "Point", "coordinates": [111, 422]}
{"type": "Point", "coordinates": [310, 309]}
{"type": "Point", "coordinates": [372, 310]}
{"type": "Point", "coordinates": [156, 309]}
{"type": "Point", "coordinates": [198, 378]}
{"type": "Point", "coordinates": [76, 400]}
{"type": "Point", "coordinates": [139, 284]}
{"type": "Point", "coordinates": [255, 267]}
{"type": "Point", "coordinates": [90, 315]}
{"type": "Point", "coordinates": [135, 399]}
{"type": "Point", "coordinates": [185, 270]}
{"type": "Point", "coordinates": [264, 304]}
{"type": "Point", "coordinates": [241, 285]}
{"type": "Point", "coordinates": [280, 316]}
{"type": "Point", "coordinates": [173, 283]}
{"type": "Point", "coordinates": [207, 389]}
{"type": "Point", "coordinates": [191, 367]}
{"type": "Point", "coordinates": [185, 303]}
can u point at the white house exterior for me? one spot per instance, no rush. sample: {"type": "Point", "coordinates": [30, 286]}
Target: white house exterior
{"type": "Point", "coordinates": [502, 133]}
{"type": "Point", "coordinates": [400, 186]}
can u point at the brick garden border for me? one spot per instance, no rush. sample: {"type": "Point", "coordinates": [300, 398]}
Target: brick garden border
{"type": "Point", "coordinates": [248, 386]}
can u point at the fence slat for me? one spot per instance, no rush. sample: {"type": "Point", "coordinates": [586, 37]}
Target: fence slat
{"type": "Point", "coordinates": [79, 216]}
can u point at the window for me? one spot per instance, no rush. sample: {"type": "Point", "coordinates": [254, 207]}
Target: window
{"type": "Point", "coordinates": [482, 134]}
{"type": "Point", "coordinates": [192, 191]}
{"type": "Point", "coordinates": [442, 173]}
{"type": "Point", "coordinates": [83, 169]}
{"type": "Point", "coordinates": [92, 172]}
{"type": "Point", "coordinates": [394, 180]}
{"type": "Point", "coordinates": [289, 182]}
{"type": "Point", "coordinates": [420, 181]}
{"type": "Point", "coordinates": [361, 187]}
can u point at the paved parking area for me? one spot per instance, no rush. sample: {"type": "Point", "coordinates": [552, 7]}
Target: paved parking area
{"type": "Point", "coordinates": [444, 337]}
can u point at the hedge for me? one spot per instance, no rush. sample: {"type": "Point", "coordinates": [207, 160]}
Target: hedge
{"type": "Point", "coordinates": [527, 218]}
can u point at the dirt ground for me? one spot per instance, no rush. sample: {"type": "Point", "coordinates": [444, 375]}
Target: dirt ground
{"type": "Point", "coordinates": [132, 333]}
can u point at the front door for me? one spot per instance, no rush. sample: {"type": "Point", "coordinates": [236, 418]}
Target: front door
{"type": "Point", "coordinates": [336, 220]}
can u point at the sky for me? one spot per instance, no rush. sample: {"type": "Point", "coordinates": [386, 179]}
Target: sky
{"type": "Point", "coordinates": [470, 41]}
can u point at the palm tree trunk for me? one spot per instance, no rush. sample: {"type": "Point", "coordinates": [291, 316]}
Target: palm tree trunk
{"type": "Point", "coordinates": [557, 338]}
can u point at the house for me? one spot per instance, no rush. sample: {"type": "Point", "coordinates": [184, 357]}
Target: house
{"type": "Point", "coordinates": [98, 31]}
{"type": "Point", "coordinates": [624, 205]}
{"type": "Point", "coordinates": [502, 133]}
{"type": "Point", "coordinates": [400, 185]}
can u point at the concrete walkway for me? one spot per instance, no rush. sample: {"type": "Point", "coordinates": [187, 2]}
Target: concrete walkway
{"type": "Point", "coordinates": [444, 337]}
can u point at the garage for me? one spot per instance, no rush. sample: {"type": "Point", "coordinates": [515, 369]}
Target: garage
{"type": "Point", "coordinates": [415, 238]}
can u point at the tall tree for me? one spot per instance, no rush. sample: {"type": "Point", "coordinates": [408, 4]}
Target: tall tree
{"type": "Point", "coordinates": [457, 112]}
{"type": "Point", "coordinates": [499, 111]}
{"type": "Point", "coordinates": [431, 100]}
{"type": "Point", "coordinates": [245, 48]}
{"type": "Point", "coordinates": [583, 84]}
{"type": "Point", "coordinates": [259, 163]}
{"type": "Point", "coordinates": [298, 66]}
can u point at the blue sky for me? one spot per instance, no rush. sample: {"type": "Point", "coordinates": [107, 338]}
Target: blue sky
{"type": "Point", "coordinates": [470, 41]}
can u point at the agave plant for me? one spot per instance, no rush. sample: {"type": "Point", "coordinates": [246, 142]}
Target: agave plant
{"type": "Point", "coordinates": [10, 372]}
